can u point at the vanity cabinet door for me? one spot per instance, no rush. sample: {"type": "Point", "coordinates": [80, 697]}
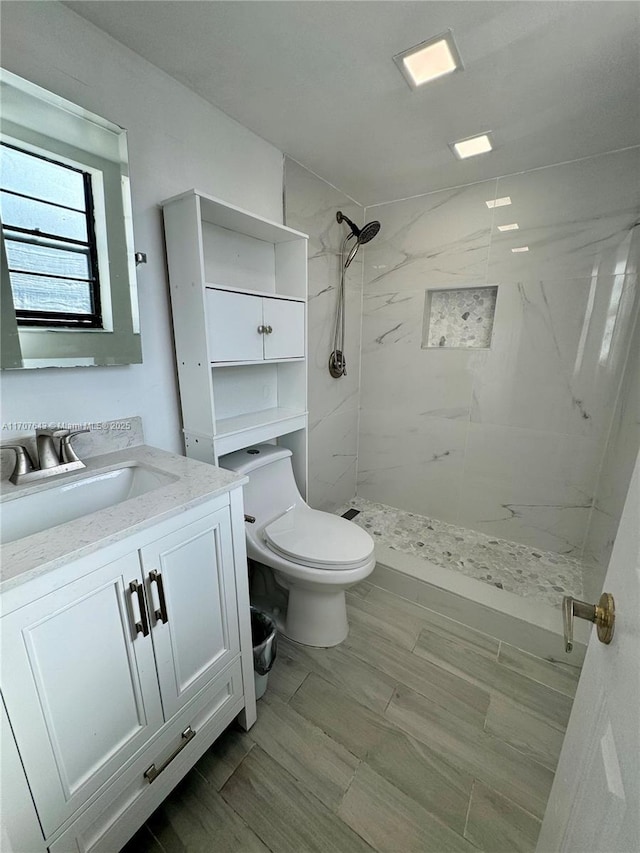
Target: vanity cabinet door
{"type": "Point", "coordinates": [286, 321]}
{"type": "Point", "coordinates": [190, 579]}
{"type": "Point", "coordinates": [233, 320]}
{"type": "Point", "coordinates": [80, 686]}
{"type": "Point", "coordinates": [237, 325]}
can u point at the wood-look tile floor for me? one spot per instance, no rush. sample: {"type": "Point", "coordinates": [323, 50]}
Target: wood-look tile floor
{"type": "Point", "coordinates": [416, 734]}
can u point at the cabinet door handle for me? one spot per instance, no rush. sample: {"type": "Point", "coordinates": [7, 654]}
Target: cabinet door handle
{"type": "Point", "coordinates": [152, 773]}
{"type": "Point", "coordinates": [142, 627]}
{"type": "Point", "coordinates": [161, 612]}
{"type": "Point", "coordinates": [262, 330]}
{"type": "Point", "coordinates": [269, 329]}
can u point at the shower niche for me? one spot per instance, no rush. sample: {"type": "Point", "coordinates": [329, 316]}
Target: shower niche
{"type": "Point", "coordinates": [238, 286]}
{"type": "Point", "coordinates": [459, 318]}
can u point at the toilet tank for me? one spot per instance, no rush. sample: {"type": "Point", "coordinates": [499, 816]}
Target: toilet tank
{"type": "Point", "coordinates": [271, 488]}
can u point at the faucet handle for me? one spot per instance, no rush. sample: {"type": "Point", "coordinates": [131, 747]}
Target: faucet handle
{"type": "Point", "coordinates": [48, 456]}
{"type": "Point", "coordinates": [67, 453]}
{"type": "Point", "coordinates": [24, 463]}
{"type": "Point", "coordinates": [57, 432]}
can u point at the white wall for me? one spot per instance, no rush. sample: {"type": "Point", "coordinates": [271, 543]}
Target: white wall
{"type": "Point", "coordinates": [176, 141]}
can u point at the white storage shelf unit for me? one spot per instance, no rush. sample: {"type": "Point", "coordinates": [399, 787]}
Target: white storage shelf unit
{"type": "Point", "coordinates": [238, 293]}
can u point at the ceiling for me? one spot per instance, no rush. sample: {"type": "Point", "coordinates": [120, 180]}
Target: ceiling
{"type": "Point", "coordinates": [554, 81]}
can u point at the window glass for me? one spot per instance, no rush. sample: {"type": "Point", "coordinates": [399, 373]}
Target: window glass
{"type": "Point", "coordinates": [19, 212]}
{"type": "Point", "coordinates": [40, 293]}
{"type": "Point", "coordinates": [47, 223]}
{"type": "Point", "coordinates": [38, 177]}
{"type": "Point", "coordinates": [32, 257]}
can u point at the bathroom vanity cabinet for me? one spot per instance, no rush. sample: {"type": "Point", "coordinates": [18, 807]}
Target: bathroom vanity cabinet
{"type": "Point", "coordinates": [238, 286]}
{"type": "Point", "coordinates": [120, 669]}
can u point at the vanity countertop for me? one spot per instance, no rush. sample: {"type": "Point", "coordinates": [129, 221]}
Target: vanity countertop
{"type": "Point", "coordinates": [195, 483]}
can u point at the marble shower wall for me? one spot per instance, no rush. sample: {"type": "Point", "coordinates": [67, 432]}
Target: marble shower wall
{"type": "Point", "coordinates": [508, 441]}
{"type": "Point", "coordinates": [310, 206]}
{"type": "Point", "coordinates": [618, 463]}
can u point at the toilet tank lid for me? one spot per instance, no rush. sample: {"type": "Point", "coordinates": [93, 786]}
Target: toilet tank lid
{"type": "Point", "coordinates": [250, 458]}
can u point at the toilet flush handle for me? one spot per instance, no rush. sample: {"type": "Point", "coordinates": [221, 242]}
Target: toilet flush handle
{"type": "Point", "coordinates": [250, 519]}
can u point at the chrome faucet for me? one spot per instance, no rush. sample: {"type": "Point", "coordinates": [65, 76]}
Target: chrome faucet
{"type": "Point", "coordinates": [47, 454]}
{"type": "Point", "coordinates": [51, 460]}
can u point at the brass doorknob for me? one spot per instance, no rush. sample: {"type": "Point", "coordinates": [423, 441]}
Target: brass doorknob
{"type": "Point", "coordinates": [603, 614]}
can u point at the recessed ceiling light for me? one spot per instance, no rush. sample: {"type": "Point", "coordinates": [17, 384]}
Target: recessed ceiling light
{"type": "Point", "coordinates": [429, 60]}
{"type": "Point", "coordinates": [472, 146]}
{"type": "Point", "coordinates": [521, 249]}
{"type": "Point", "coordinates": [498, 202]}
{"type": "Point", "coordinates": [512, 227]}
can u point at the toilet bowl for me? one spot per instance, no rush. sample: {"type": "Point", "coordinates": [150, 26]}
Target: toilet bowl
{"type": "Point", "coordinates": [315, 555]}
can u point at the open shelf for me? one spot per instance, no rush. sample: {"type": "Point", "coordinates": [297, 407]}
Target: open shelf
{"type": "Point", "coordinates": [235, 433]}
{"type": "Point", "coordinates": [218, 212]}
{"type": "Point", "coordinates": [252, 292]}
{"type": "Point", "coordinates": [242, 423]}
{"type": "Point", "coordinates": [261, 361]}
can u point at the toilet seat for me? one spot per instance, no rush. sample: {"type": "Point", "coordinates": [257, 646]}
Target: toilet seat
{"type": "Point", "coordinates": [318, 539]}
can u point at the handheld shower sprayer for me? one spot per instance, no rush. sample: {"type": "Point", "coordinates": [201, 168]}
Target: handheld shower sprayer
{"type": "Point", "coordinates": [337, 361]}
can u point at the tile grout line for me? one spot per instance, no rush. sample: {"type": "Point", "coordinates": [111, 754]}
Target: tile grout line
{"type": "Point", "coordinates": [491, 690]}
{"type": "Point", "coordinates": [508, 799]}
{"type": "Point", "coordinates": [494, 691]}
{"type": "Point", "coordinates": [236, 813]}
{"type": "Point", "coordinates": [391, 698]}
{"type": "Point", "coordinates": [299, 687]}
{"type": "Point", "coordinates": [466, 819]}
{"type": "Point", "coordinates": [513, 669]}
{"type": "Point", "coordinates": [536, 680]}
{"type": "Point", "coordinates": [526, 755]}
{"type": "Point", "coordinates": [437, 613]}
{"type": "Point", "coordinates": [202, 776]}
{"type": "Point", "coordinates": [151, 833]}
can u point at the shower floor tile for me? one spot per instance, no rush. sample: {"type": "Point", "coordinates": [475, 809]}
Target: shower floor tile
{"type": "Point", "coordinates": [525, 571]}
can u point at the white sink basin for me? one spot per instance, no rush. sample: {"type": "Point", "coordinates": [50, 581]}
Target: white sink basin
{"type": "Point", "coordinates": [60, 502]}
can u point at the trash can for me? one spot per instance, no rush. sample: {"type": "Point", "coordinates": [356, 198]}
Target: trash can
{"type": "Point", "coordinates": [264, 637]}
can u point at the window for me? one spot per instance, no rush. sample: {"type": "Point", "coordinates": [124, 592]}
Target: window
{"type": "Point", "coordinates": [49, 236]}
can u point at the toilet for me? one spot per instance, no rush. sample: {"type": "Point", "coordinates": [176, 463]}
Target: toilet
{"type": "Point", "coordinates": [314, 555]}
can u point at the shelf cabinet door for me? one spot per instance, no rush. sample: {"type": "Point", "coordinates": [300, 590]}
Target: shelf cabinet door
{"type": "Point", "coordinates": [233, 320]}
{"type": "Point", "coordinates": [197, 578]}
{"type": "Point", "coordinates": [286, 319]}
{"type": "Point", "coordinates": [80, 686]}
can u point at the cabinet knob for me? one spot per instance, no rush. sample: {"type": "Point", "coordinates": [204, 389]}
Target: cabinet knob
{"type": "Point", "coordinates": [268, 330]}
{"type": "Point", "coordinates": [262, 330]}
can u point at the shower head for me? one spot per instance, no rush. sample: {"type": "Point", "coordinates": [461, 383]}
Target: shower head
{"type": "Point", "coordinates": [362, 235]}
{"type": "Point", "coordinates": [368, 231]}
